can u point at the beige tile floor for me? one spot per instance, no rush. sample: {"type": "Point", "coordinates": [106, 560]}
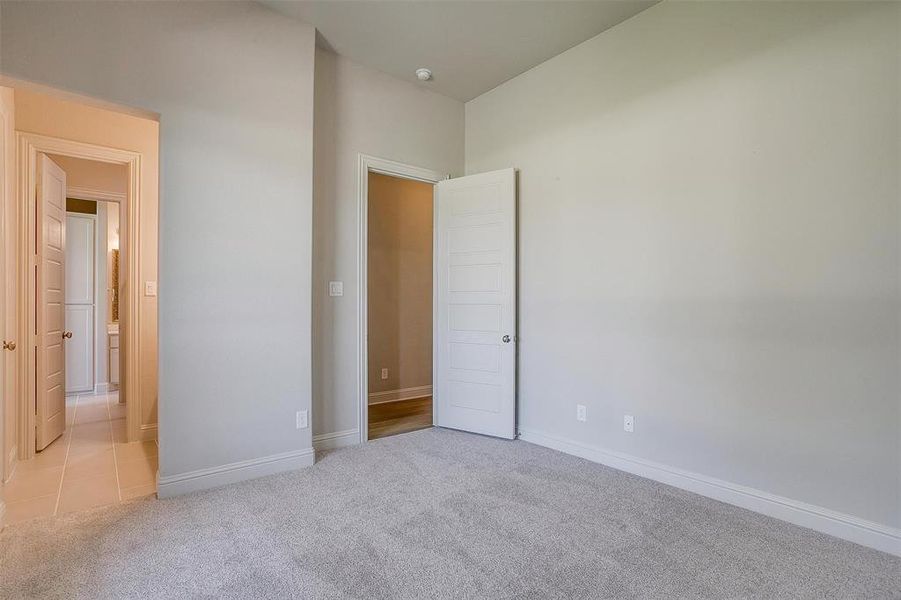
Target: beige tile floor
{"type": "Point", "coordinates": [91, 465]}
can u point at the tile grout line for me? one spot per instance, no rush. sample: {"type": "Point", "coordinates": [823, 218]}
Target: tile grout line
{"type": "Point", "coordinates": [62, 477]}
{"type": "Point", "coordinates": [109, 421]}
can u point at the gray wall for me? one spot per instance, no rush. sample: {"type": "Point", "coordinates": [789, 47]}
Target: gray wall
{"type": "Point", "coordinates": [709, 241]}
{"type": "Point", "coordinates": [233, 83]}
{"type": "Point", "coordinates": [360, 110]}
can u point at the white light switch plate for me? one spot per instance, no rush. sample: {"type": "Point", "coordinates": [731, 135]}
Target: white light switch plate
{"type": "Point", "coordinates": [150, 288]}
{"type": "Point", "coordinates": [581, 413]}
{"type": "Point", "coordinates": [628, 423]}
{"type": "Point", "coordinates": [335, 288]}
{"type": "Point", "coordinates": [301, 419]}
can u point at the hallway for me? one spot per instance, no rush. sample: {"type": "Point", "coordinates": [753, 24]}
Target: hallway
{"type": "Point", "coordinates": [90, 466]}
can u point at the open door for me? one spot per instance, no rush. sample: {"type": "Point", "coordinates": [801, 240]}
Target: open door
{"type": "Point", "coordinates": [50, 269]}
{"type": "Point", "coordinates": [475, 303]}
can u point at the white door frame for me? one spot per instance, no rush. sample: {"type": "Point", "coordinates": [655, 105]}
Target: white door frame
{"type": "Point", "coordinates": [29, 146]}
{"type": "Point", "coordinates": [371, 164]}
{"type": "Point", "coordinates": [100, 289]}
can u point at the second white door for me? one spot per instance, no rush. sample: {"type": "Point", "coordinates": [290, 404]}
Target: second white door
{"type": "Point", "coordinates": [80, 252]}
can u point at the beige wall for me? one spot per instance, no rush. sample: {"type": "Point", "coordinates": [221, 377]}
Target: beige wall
{"type": "Point", "coordinates": [709, 241]}
{"type": "Point", "coordinates": [106, 177]}
{"type": "Point", "coordinates": [360, 110]}
{"type": "Point", "coordinates": [47, 115]}
{"type": "Point", "coordinates": [400, 283]}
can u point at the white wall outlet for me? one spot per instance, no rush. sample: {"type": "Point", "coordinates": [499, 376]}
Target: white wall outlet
{"type": "Point", "coordinates": [302, 419]}
{"type": "Point", "coordinates": [581, 413]}
{"type": "Point", "coordinates": [628, 423]}
{"type": "Point", "coordinates": [150, 288]}
{"type": "Point", "coordinates": [335, 288]}
{"type": "Point", "coordinates": [384, 373]}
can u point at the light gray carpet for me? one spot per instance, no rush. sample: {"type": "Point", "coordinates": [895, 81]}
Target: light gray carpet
{"type": "Point", "coordinates": [437, 514]}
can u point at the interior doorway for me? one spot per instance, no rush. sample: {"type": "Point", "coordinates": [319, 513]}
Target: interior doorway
{"type": "Point", "coordinates": [93, 286]}
{"type": "Point", "coordinates": [396, 301]}
{"type": "Point", "coordinates": [399, 272]}
{"type": "Point", "coordinates": [473, 309]}
{"type": "Point", "coordinates": [74, 319]}
{"type": "Point", "coordinates": [79, 218]}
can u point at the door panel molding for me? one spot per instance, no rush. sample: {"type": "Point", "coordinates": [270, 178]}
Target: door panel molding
{"type": "Point", "coordinates": [29, 146]}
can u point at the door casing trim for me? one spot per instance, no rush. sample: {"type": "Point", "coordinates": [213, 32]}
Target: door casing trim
{"type": "Point", "coordinates": [28, 147]}
{"type": "Point", "coordinates": [371, 164]}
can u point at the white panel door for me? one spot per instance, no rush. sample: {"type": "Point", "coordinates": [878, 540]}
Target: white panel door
{"type": "Point", "coordinates": [50, 372]}
{"type": "Point", "coordinates": [80, 348]}
{"type": "Point", "coordinates": [475, 291]}
{"type": "Point", "coordinates": [9, 272]}
{"type": "Point", "coordinates": [80, 255]}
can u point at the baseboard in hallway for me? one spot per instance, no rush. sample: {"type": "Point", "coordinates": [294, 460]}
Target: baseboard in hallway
{"type": "Point", "coordinates": [401, 416]}
{"type": "Point", "coordinates": [400, 394]}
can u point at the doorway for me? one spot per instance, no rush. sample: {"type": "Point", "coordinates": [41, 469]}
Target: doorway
{"type": "Point", "coordinates": [80, 457]}
{"type": "Point", "coordinates": [473, 301]}
{"type": "Point", "coordinates": [396, 303]}
{"type": "Point", "coordinates": [399, 272]}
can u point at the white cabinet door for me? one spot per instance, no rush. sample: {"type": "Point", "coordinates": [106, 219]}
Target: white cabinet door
{"type": "Point", "coordinates": [475, 283]}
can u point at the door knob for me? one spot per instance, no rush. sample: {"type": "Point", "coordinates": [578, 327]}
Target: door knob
{"type": "Point", "coordinates": [506, 339]}
{"type": "Point", "coordinates": [67, 334]}
{"type": "Point", "coordinates": [9, 345]}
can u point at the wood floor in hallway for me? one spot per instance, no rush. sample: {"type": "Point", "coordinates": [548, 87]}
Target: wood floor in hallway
{"type": "Point", "coordinates": [400, 416]}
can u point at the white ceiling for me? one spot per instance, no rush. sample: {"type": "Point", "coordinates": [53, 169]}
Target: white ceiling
{"type": "Point", "coordinates": [471, 46]}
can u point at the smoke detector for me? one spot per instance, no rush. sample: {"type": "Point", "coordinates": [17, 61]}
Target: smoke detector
{"type": "Point", "coordinates": [423, 74]}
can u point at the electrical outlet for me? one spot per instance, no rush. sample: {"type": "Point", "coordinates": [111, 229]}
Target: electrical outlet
{"type": "Point", "coordinates": [301, 419]}
{"type": "Point", "coordinates": [384, 373]}
{"type": "Point", "coordinates": [150, 288]}
{"type": "Point", "coordinates": [335, 288]}
{"type": "Point", "coordinates": [581, 413]}
{"type": "Point", "coordinates": [628, 423]}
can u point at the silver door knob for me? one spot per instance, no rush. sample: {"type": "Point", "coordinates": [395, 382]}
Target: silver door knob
{"type": "Point", "coordinates": [506, 339]}
{"type": "Point", "coordinates": [67, 334]}
{"type": "Point", "coordinates": [9, 345]}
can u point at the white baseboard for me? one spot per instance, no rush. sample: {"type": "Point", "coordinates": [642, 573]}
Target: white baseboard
{"type": "Point", "coordinates": [338, 439]}
{"type": "Point", "coordinates": [102, 388]}
{"type": "Point", "coordinates": [204, 479]}
{"type": "Point", "coordinates": [401, 394]}
{"type": "Point", "coordinates": [148, 433]}
{"type": "Point", "coordinates": [860, 531]}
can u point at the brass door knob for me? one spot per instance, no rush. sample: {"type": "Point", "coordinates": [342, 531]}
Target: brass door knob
{"type": "Point", "coordinates": [67, 334]}
{"type": "Point", "coordinates": [9, 345]}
